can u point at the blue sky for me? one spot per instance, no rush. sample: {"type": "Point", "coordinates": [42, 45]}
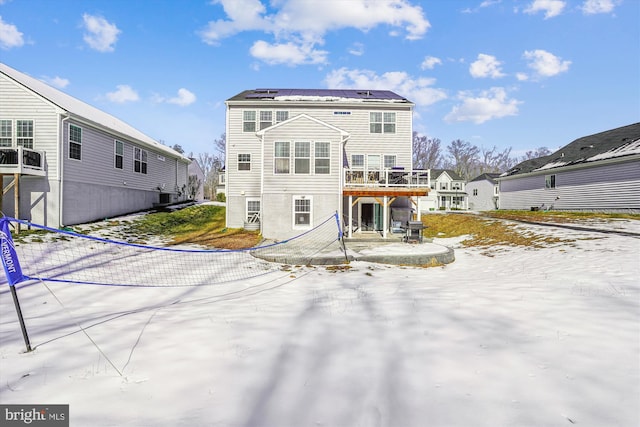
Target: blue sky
{"type": "Point", "coordinates": [503, 73]}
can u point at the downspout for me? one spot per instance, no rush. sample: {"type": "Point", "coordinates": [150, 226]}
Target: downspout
{"type": "Point", "coordinates": [61, 169]}
{"type": "Point", "coordinates": [341, 184]}
{"type": "Point", "coordinates": [261, 219]}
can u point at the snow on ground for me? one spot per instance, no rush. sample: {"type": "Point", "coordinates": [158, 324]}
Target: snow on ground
{"type": "Point", "coordinates": [510, 337]}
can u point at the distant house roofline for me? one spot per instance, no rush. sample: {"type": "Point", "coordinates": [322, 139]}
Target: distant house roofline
{"type": "Point", "coordinates": [85, 112]}
{"type": "Point", "coordinates": [619, 144]}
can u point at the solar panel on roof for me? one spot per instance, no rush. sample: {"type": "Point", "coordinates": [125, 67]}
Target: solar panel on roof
{"type": "Point", "coordinates": [270, 93]}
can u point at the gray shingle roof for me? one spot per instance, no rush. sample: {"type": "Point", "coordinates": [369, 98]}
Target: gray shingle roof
{"type": "Point", "coordinates": [615, 143]}
{"type": "Point", "coordinates": [435, 173]}
{"type": "Point", "coordinates": [486, 176]}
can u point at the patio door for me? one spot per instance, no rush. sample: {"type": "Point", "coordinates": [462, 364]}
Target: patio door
{"type": "Point", "coordinates": [372, 216]}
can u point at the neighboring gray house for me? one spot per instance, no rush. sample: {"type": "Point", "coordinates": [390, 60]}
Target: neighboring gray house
{"type": "Point", "coordinates": [296, 156]}
{"type": "Point", "coordinates": [447, 191]}
{"type": "Point", "coordinates": [65, 162]}
{"type": "Point", "coordinates": [599, 172]}
{"type": "Point", "coordinates": [483, 192]}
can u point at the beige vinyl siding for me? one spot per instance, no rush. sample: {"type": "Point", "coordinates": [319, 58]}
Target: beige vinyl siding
{"type": "Point", "coordinates": [356, 124]}
{"type": "Point", "coordinates": [19, 103]}
{"type": "Point", "coordinates": [311, 183]}
{"type": "Point", "coordinates": [239, 142]}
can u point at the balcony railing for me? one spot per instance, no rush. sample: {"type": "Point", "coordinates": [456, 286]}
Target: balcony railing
{"type": "Point", "coordinates": [387, 178]}
{"type": "Point", "coordinates": [22, 161]}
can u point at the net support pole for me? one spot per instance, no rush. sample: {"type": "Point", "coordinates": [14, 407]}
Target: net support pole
{"type": "Point", "coordinates": [341, 238]}
{"type": "Point", "coordinates": [16, 302]}
{"type": "Point", "coordinates": [13, 271]}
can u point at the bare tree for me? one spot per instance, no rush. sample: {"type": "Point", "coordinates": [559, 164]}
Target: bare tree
{"type": "Point", "coordinates": [212, 164]}
{"type": "Point", "coordinates": [534, 154]}
{"type": "Point", "coordinates": [426, 152]}
{"type": "Point", "coordinates": [221, 147]}
{"type": "Point", "coordinates": [464, 158]}
{"type": "Point", "coordinates": [495, 161]}
{"type": "Point", "coordinates": [208, 164]}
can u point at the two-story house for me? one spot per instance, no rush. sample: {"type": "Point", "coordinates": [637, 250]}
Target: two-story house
{"type": "Point", "coordinates": [65, 162]}
{"type": "Point", "coordinates": [484, 192]}
{"type": "Point", "coordinates": [296, 156]}
{"type": "Point", "coordinates": [448, 191]}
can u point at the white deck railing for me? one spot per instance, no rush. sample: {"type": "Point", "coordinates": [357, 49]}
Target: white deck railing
{"type": "Point", "coordinates": [387, 178]}
{"type": "Point", "coordinates": [22, 161]}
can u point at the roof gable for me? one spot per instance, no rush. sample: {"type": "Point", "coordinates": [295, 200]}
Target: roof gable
{"type": "Point", "coordinates": [491, 177]}
{"type": "Point", "coordinates": [302, 116]}
{"type": "Point", "coordinates": [435, 174]}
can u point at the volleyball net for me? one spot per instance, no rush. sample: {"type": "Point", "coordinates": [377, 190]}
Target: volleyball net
{"type": "Point", "coordinates": [65, 256]}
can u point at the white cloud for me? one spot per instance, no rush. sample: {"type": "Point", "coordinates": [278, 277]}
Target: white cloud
{"type": "Point", "coordinates": [288, 53]}
{"type": "Point", "coordinates": [184, 98]}
{"type": "Point", "coordinates": [56, 81]}
{"type": "Point", "coordinates": [298, 26]}
{"type": "Point", "coordinates": [592, 7]}
{"type": "Point", "coordinates": [491, 104]}
{"type": "Point", "coordinates": [10, 37]}
{"type": "Point", "coordinates": [430, 62]}
{"type": "Point", "coordinates": [545, 64]}
{"type": "Point", "coordinates": [551, 8]}
{"type": "Point", "coordinates": [357, 49]}
{"type": "Point", "coordinates": [486, 66]}
{"type": "Point", "coordinates": [100, 34]}
{"type": "Point", "coordinates": [124, 93]}
{"type": "Point", "coordinates": [522, 77]}
{"type": "Point", "coordinates": [417, 90]}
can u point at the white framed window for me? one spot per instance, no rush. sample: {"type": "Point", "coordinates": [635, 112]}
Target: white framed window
{"type": "Point", "coordinates": [373, 162]}
{"type": "Point", "coordinates": [248, 121]}
{"type": "Point", "coordinates": [389, 161]}
{"type": "Point", "coordinates": [266, 119]}
{"type": "Point", "coordinates": [322, 158]}
{"type": "Point", "coordinates": [282, 157]}
{"type": "Point", "coordinates": [6, 133]}
{"type": "Point", "coordinates": [444, 186]}
{"type": "Point", "coordinates": [118, 154]}
{"type": "Point", "coordinates": [375, 122]}
{"type": "Point", "coordinates": [302, 158]}
{"type": "Point", "coordinates": [140, 160]}
{"type": "Point", "coordinates": [302, 211]}
{"type": "Point", "coordinates": [24, 133]}
{"type": "Point", "coordinates": [475, 191]}
{"type": "Point", "coordinates": [244, 162]}
{"type": "Point", "coordinates": [389, 122]}
{"type": "Point", "coordinates": [550, 181]}
{"type": "Point", "coordinates": [357, 161]}
{"type": "Point", "coordinates": [75, 142]}
{"type": "Point", "coordinates": [281, 116]}
{"type": "Point", "coordinates": [253, 210]}
{"type": "Point", "coordinates": [382, 122]}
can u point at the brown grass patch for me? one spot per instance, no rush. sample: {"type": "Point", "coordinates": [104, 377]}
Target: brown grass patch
{"type": "Point", "coordinates": [484, 232]}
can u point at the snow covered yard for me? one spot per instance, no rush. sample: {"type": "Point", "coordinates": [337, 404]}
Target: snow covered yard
{"type": "Point", "coordinates": [501, 337]}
